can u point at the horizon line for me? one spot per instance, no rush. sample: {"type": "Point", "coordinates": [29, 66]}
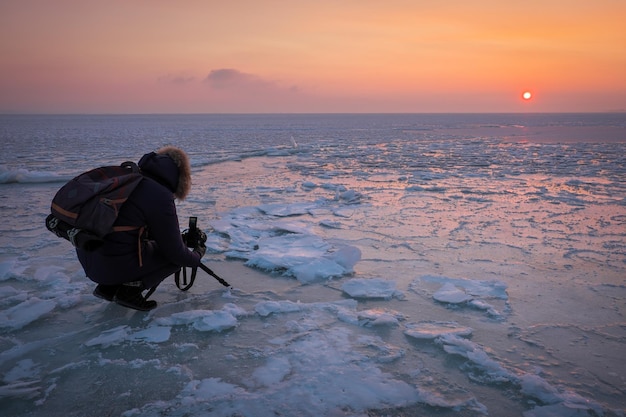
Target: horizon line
{"type": "Point", "coordinates": [10, 113]}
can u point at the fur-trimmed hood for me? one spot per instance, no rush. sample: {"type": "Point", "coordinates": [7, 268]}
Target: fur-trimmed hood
{"type": "Point", "coordinates": [170, 167]}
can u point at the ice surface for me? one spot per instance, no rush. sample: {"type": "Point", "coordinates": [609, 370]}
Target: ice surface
{"type": "Point", "coordinates": [382, 265]}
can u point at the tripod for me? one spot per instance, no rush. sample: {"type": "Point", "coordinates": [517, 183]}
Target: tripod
{"type": "Point", "coordinates": [187, 284]}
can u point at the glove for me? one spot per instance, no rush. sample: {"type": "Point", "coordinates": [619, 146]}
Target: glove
{"type": "Point", "coordinates": [200, 250]}
{"type": "Point", "coordinates": [201, 237]}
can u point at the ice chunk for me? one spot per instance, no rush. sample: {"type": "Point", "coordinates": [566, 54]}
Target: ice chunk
{"type": "Point", "coordinates": [206, 389]}
{"type": "Point", "coordinates": [23, 370]}
{"type": "Point", "coordinates": [347, 257]}
{"type": "Point", "coordinates": [110, 337]}
{"type": "Point", "coordinates": [266, 308]}
{"type": "Point", "coordinates": [491, 370]}
{"type": "Point", "coordinates": [435, 329]}
{"type": "Point", "coordinates": [379, 317]}
{"type": "Point", "coordinates": [472, 287]}
{"type": "Point", "coordinates": [153, 334]}
{"type": "Point", "coordinates": [306, 257]}
{"type": "Point", "coordinates": [284, 210]}
{"type": "Point", "coordinates": [285, 252]}
{"type": "Point", "coordinates": [371, 288]}
{"type": "Point", "coordinates": [448, 293]}
{"type": "Point", "coordinates": [317, 270]}
{"type": "Point", "coordinates": [25, 313]}
{"type": "Point", "coordinates": [201, 320]}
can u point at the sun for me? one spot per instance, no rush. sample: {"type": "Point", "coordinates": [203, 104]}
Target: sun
{"type": "Point", "coordinates": [527, 95]}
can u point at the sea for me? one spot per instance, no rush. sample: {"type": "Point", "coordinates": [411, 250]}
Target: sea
{"type": "Point", "coordinates": [375, 265]}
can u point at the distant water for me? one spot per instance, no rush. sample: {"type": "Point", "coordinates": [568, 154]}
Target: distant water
{"type": "Point", "coordinates": [73, 143]}
{"type": "Point", "coordinates": [446, 264]}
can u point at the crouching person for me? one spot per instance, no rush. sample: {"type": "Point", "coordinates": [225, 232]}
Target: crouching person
{"type": "Point", "coordinates": [150, 248]}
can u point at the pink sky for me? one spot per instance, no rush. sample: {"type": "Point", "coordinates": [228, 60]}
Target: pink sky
{"type": "Point", "coordinates": [80, 56]}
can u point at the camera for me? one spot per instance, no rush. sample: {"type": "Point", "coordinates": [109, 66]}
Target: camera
{"type": "Point", "coordinates": [194, 237]}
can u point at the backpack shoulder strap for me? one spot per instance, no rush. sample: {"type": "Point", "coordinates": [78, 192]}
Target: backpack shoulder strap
{"type": "Point", "coordinates": [132, 166]}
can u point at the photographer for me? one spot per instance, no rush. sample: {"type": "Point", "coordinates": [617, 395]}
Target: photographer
{"type": "Point", "coordinates": [130, 262]}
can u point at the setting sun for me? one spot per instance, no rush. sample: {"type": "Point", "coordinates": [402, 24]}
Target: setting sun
{"type": "Point", "coordinates": [527, 95]}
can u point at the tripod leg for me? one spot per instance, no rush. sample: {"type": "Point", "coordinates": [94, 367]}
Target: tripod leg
{"type": "Point", "coordinates": [214, 275]}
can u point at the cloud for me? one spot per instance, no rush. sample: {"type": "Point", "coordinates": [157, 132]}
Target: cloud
{"type": "Point", "coordinates": [232, 90]}
{"type": "Point", "coordinates": [229, 78]}
{"type": "Point", "coordinates": [227, 75]}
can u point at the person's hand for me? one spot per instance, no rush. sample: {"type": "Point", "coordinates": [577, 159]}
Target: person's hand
{"type": "Point", "coordinates": [200, 250]}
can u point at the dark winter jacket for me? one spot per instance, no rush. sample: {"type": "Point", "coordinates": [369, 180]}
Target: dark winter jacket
{"type": "Point", "coordinates": [155, 249]}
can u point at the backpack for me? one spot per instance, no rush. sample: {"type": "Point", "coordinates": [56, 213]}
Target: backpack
{"type": "Point", "coordinates": [84, 210]}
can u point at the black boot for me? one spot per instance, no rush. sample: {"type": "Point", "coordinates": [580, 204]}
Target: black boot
{"type": "Point", "coordinates": [106, 292]}
{"type": "Point", "coordinates": [132, 297]}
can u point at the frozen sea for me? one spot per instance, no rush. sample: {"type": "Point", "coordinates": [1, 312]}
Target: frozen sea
{"type": "Point", "coordinates": [381, 265]}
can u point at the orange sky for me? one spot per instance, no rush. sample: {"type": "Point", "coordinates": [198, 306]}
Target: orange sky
{"type": "Point", "coordinates": [194, 56]}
